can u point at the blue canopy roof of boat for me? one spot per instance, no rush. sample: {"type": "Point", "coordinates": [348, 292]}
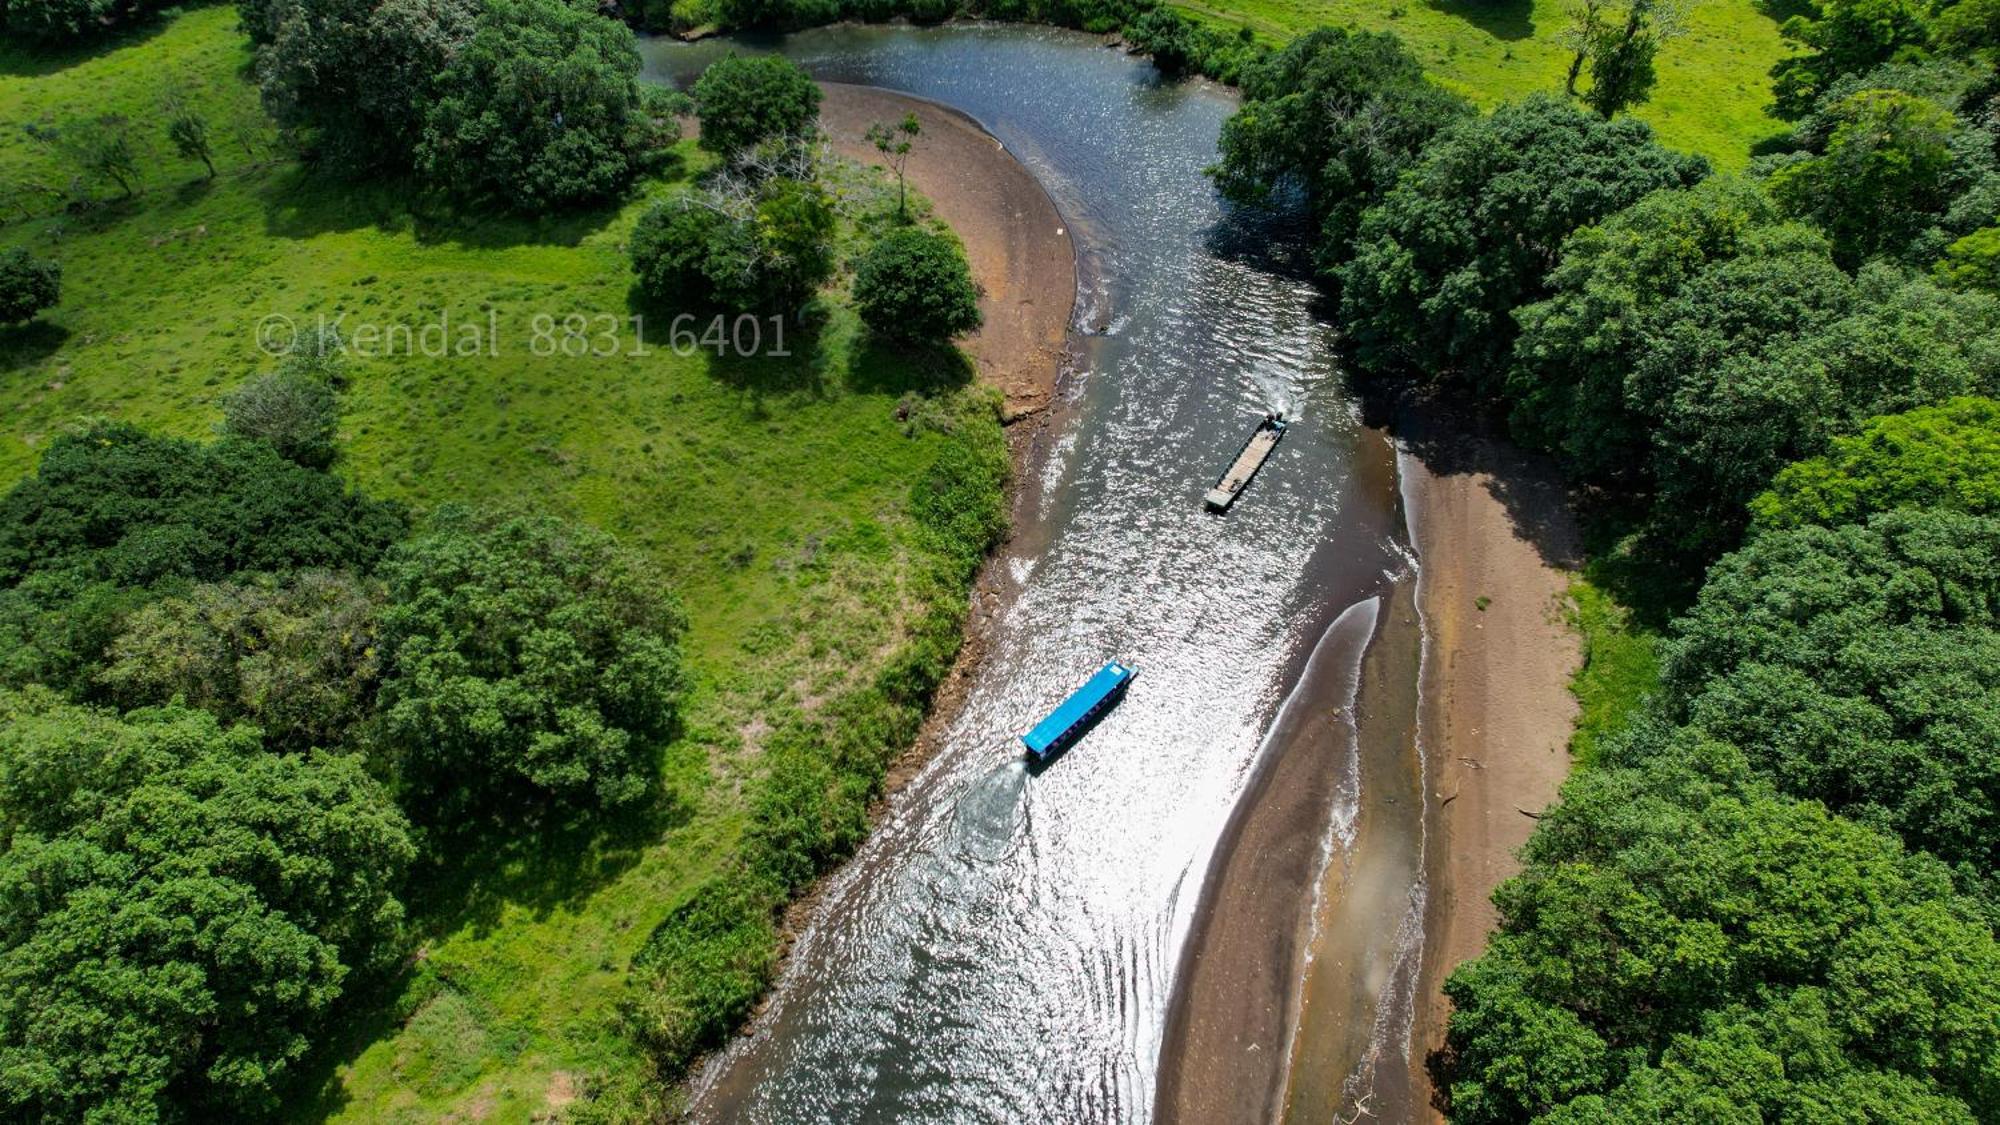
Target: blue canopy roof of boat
{"type": "Point", "coordinates": [1051, 730]}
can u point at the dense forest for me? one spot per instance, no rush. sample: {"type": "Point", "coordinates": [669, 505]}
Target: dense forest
{"type": "Point", "coordinates": [1770, 896]}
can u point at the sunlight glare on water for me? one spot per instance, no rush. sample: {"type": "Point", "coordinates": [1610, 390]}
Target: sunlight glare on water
{"type": "Point", "coordinates": [1003, 948]}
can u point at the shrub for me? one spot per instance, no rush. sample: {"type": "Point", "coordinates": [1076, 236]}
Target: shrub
{"type": "Point", "coordinates": [744, 102]}
{"type": "Point", "coordinates": [913, 285]}
{"type": "Point", "coordinates": [293, 413]}
{"type": "Point", "coordinates": [27, 285]}
{"type": "Point", "coordinates": [526, 655]}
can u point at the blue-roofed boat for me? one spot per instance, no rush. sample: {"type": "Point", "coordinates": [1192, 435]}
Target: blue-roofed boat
{"type": "Point", "coordinates": [1084, 707]}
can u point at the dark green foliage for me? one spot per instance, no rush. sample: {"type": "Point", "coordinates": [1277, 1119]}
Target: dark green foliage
{"type": "Point", "coordinates": [746, 101]}
{"type": "Point", "coordinates": [1576, 350]}
{"type": "Point", "coordinates": [61, 22]}
{"type": "Point", "coordinates": [1944, 456]}
{"type": "Point", "coordinates": [1473, 229]}
{"type": "Point", "coordinates": [1882, 177]}
{"type": "Point", "coordinates": [1338, 115]}
{"type": "Point", "coordinates": [293, 413]}
{"type": "Point", "coordinates": [539, 108]}
{"type": "Point", "coordinates": [526, 654]}
{"type": "Point", "coordinates": [1683, 944]}
{"type": "Point", "coordinates": [1844, 37]}
{"type": "Point", "coordinates": [913, 285]}
{"type": "Point", "coordinates": [1765, 358]}
{"type": "Point", "coordinates": [1860, 665]}
{"type": "Point", "coordinates": [358, 77]}
{"type": "Point", "coordinates": [1621, 55]}
{"type": "Point", "coordinates": [696, 251]}
{"type": "Point", "coordinates": [113, 512]}
{"type": "Point", "coordinates": [27, 285]}
{"type": "Point", "coordinates": [178, 910]}
{"type": "Point", "coordinates": [114, 504]}
{"type": "Point", "coordinates": [1170, 38]}
{"type": "Point", "coordinates": [297, 658]}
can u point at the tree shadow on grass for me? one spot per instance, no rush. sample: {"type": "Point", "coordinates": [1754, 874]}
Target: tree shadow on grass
{"type": "Point", "coordinates": [502, 856]}
{"type": "Point", "coordinates": [1508, 20]}
{"type": "Point", "coordinates": [27, 60]}
{"type": "Point", "coordinates": [303, 201]}
{"type": "Point", "coordinates": [22, 345]}
{"type": "Point", "coordinates": [892, 368]}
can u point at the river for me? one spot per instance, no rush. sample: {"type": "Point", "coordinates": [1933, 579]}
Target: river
{"type": "Point", "coordinates": [1005, 947]}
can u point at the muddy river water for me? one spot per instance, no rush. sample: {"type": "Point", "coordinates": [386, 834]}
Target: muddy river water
{"type": "Point", "coordinates": [1006, 947]}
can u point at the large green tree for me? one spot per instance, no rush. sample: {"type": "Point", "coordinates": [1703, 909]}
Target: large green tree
{"type": "Point", "coordinates": [1682, 945]}
{"type": "Point", "coordinates": [747, 100]}
{"type": "Point", "coordinates": [179, 910]}
{"type": "Point", "coordinates": [297, 658]}
{"type": "Point", "coordinates": [1474, 228]}
{"type": "Point", "coordinates": [114, 513]}
{"type": "Point", "coordinates": [1339, 115]}
{"type": "Point", "coordinates": [1842, 37]}
{"type": "Point", "coordinates": [1577, 349]}
{"type": "Point", "coordinates": [913, 285]}
{"type": "Point", "coordinates": [356, 77]}
{"type": "Point", "coordinates": [1882, 178]}
{"type": "Point", "coordinates": [526, 656]}
{"type": "Point", "coordinates": [1860, 666]}
{"type": "Point", "coordinates": [767, 249]}
{"type": "Point", "coordinates": [540, 107]}
{"type": "Point", "coordinates": [1945, 456]}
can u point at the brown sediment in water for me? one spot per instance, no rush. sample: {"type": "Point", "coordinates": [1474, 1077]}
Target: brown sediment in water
{"type": "Point", "coordinates": [1310, 992]}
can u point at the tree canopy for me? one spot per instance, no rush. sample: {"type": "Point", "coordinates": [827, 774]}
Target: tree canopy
{"type": "Point", "coordinates": [525, 656]}
{"type": "Point", "coordinates": [767, 249]}
{"type": "Point", "coordinates": [746, 100]}
{"type": "Point", "coordinates": [1860, 665]}
{"type": "Point", "coordinates": [913, 285]}
{"type": "Point", "coordinates": [1472, 230]}
{"type": "Point", "coordinates": [1683, 942]}
{"type": "Point", "coordinates": [539, 108]}
{"type": "Point", "coordinates": [178, 909]}
{"type": "Point", "coordinates": [1945, 456]}
{"type": "Point", "coordinates": [1338, 114]}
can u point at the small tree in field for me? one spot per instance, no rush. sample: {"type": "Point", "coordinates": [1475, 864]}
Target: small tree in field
{"type": "Point", "coordinates": [914, 286]}
{"type": "Point", "coordinates": [894, 143]}
{"type": "Point", "coordinates": [292, 412]}
{"type": "Point", "coordinates": [27, 285]}
{"type": "Point", "coordinates": [188, 130]}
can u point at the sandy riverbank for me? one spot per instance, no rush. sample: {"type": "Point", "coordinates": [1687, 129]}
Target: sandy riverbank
{"type": "Point", "coordinates": [1306, 972]}
{"type": "Point", "coordinates": [1497, 541]}
{"type": "Point", "coordinates": [1018, 245]}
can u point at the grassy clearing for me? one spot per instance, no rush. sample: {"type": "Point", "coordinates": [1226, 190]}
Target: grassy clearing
{"type": "Point", "coordinates": [1714, 80]}
{"type": "Point", "coordinates": [1621, 666]}
{"type": "Point", "coordinates": [775, 493]}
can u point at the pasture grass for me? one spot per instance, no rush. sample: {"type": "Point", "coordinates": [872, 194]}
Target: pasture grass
{"type": "Point", "coordinates": [1714, 81]}
{"type": "Point", "coordinates": [772, 493]}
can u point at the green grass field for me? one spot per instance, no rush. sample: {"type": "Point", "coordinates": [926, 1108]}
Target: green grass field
{"type": "Point", "coordinates": [771, 492]}
{"type": "Point", "coordinates": [1714, 80]}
